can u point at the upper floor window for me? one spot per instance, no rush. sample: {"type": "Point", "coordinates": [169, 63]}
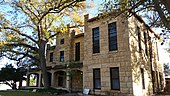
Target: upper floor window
{"type": "Point", "coordinates": [115, 82]}
{"type": "Point", "coordinates": [51, 57]}
{"type": "Point", "coordinates": [61, 56]}
{"type": "Point", "coordinates": [96, 40]}
{"type": "Point", "coordinates": [96, 78]}
{"type": "Point", "coordinates": [77, 51]}
{"type": "Point", "coordinates": [112, 34]}
{"type": "Point", "coordinates": [139, 39]}
{"type": "Point", "coordinates": [62, 41]}
{"type": "Point", "coordinates": [146, 43]}
{"type": "Point", "coordinates": [143, 78]}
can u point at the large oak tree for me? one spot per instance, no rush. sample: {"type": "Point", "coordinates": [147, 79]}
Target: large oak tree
{"type": "Point", "coordinates": [30, 24]}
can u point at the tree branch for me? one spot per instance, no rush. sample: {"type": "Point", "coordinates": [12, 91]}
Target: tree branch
{"type": "Point", "coordinates": [161, 14]}
{"type": "Point", "coordinates": [166, 3]}
{"type": "Point", "coordinates": [16, 44]}
{"type": "Point", "coordinates": [15, 30]}
{"type": "Point", "coordinates": [55, 8]}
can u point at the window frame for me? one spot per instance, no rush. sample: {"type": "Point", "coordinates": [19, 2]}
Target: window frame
{"type": "Point", "coordinates": [61, 56]}
{"type": "Point", "coordinates": [112, 36]}
{"type": "Point", "coordinates": [77, 51]}
{"type": "Point", "coordinates": [62, 41]}
{"type": "Point", "coordinates": [142, 77]}
{"type": "Point", "coordinates": [95, 78]}
{"type": "Point", "coordinates": [51, 56]}
{"type": "Point", "coordinates": [96, 40]}
{"type": "Point", "coordinates": [146, 42]}
{"type": "Point", "coordinates": [114, 78]}
{"type": "Point", "coordinates": [139, 39]}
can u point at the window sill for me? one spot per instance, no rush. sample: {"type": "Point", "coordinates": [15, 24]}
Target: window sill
{"type": "Point", "coordinates": [95, 54]}
{"type": "Point", "coordinates": [115, 51]}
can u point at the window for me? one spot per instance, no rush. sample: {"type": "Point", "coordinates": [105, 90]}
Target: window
{"type": "Point", "coordinates": [96, 40]}
{"type": "Point", "coordinates": [145, 41]}
{"type": "Point", "coordinates": [112, 33]}
{"type": "Point", "coordinates": [77, 51]}
{"type": "Point", "coordinates": [143, 78]}
{"type": "Point", "coordinates": [62, 41]}
{"type": "Point", "coordinates": [115, 82]}
{"type": "Point", "coordinates": [51, 57]}
{"type": "Point", "coordinates": [61, 56]}
{"type": "Point", "coordinates": [139, 39]}
{"type": "Point", "coordinates": [96, 79]}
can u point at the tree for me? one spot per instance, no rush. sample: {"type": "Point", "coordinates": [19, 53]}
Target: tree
{"type": "Point", "coordinates": [10, 75]}
{"type": "Point", "coordinates": [166, 69]}
{"type": "Point", "coordinates": [33, 24]}
{"type": "Point", "coordinates": [157, 12]}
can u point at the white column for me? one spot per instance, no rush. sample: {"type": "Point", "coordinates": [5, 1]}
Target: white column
{"type": "Point", "coordinates": [68, 80]}
{"type": "Point", "coordinates": [40, 79]}
{"type": "Point", "coordinates": [52, 79]}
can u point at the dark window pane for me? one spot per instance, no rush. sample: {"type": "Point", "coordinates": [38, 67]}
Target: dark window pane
{"type": "Point", "coordinates": [112, 33]}
{"type": "Point", "coordinates": [115, 73]}
{"type": "Point", "coordinates": [97, 83]}
{"type": "Point", "coordinates": [139, 39]}
{"type": "Point", "coordinates": [143, 78]}
{"type": "Point", "coordinates": [146, 43]}
{"type": "Point", "coordinates": [51, 57]}
{"type": "Point", "coordinates": [62, 41]}
{"type": "Point", "coordinates": [77, 51]}
{"type": "Point", "coordinates": [61, 56]}
{"type": "Point", "coordinates": [96, 79]}
{"type": "Point", "coordinates": [96, 40]}
{"type": "Point", "coordinates": [115, 82]}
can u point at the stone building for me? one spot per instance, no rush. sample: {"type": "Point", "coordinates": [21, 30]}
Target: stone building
{"type": "Point", "coordinates": [114, 55]}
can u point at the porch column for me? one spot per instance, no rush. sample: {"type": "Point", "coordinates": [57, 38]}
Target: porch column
{"type": "Point", "coordinates": [28, 80]}
{"type": "Point", "coordinates": [68, 80]}
{"type": "Point", "coordinates": [52, 79]}
{"type": "Point", "coordinates": [39, 79]}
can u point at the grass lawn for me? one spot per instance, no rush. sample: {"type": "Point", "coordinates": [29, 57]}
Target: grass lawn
{"type": "Point", "coordinates": [17, 93]}
{"type": "Point", "coordinates": [28, 92]}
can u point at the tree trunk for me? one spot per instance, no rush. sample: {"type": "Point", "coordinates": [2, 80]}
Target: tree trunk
{"type": "Point", "coordinates": [42, 44]}
{"type": "Point", "coordinates": [20, 82]}
{"type": "Point", "coordinates": [14, 87]}
{"type": "Point", "coordinates": [161, 13]}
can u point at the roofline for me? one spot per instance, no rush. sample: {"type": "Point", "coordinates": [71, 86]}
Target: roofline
{"type": "Point", "coordinates": [142, 21]}
{"type": "Point", "coordinates": [79, 35]}
{"type": "Point", "coordinates": [119, 13]}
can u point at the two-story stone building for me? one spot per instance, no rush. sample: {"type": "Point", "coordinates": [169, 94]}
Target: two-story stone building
{"type": "Point", "coordinates": [114, 55]}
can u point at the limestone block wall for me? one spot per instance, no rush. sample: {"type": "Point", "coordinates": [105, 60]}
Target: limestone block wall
{"type": "Point", "coordinates": [75, 40]}
{"type": "Point", "coordinates": [107, 59]}
{"type": "Point", "coordinates": [139, 59]}
{"type": "Point", "coordinates": [147, 62]}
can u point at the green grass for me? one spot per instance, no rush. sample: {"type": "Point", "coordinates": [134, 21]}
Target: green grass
{"type": "Point", "coordinates": [16, 93]}
{"type": "Point", "coordinates": [28, 92]}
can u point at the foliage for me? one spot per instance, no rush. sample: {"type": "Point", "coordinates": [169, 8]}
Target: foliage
{"type": "Point", "coordinates": [10, 75]}
{"type": "Point", "coordinates": [156, 12]}
{"type": "Point", "coordinates": [166, 69]}
{"type": "Point", "coordinates": [31, 24]}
